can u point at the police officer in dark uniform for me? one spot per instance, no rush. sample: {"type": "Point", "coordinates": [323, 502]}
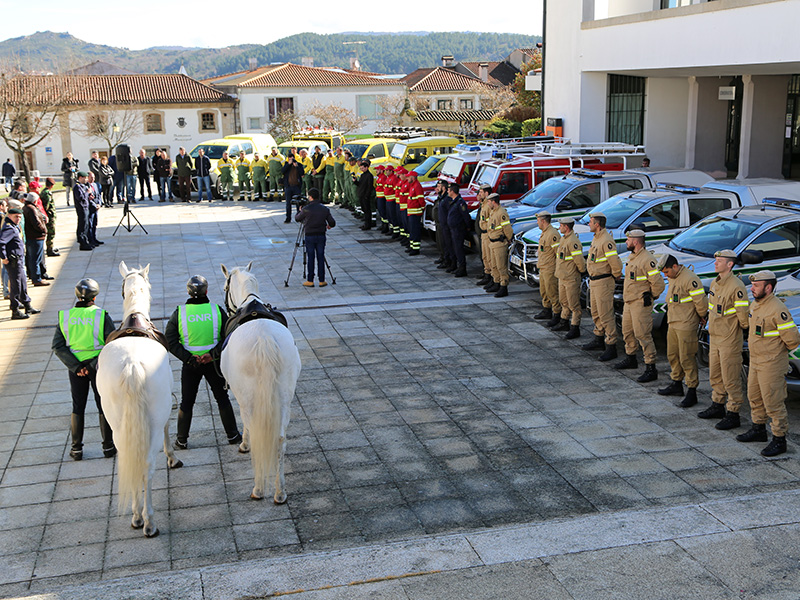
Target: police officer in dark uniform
{"type": "Point", "coordinates": [77, 342]}
{"type": "Point", "coordinates": [194, 334]}
{"type": "Point", "coordinates": [12, 253]}
{"type": "Point", "coordinates": [458, 222]}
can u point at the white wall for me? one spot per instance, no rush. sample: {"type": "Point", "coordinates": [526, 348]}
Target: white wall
{"type": "Point", "coordinates": [666, 108]}
{"type": "Point", "coordinates": [562, 75]}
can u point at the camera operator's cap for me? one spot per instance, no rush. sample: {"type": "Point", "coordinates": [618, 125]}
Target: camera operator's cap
{"type": "Point", "coordinates": [597, 214]}
{"type": "Point", "coordinates": [635, 233]}
{"type": "Point", "coordinates": [725, 254]}
{"type": "Point", "coordinates": [543, 213]}
{"type": "Point", "coordinates": [763, 276]}
{"type": "Point", "coordinates": [567, 220]}
{"type": "Point", "coordinates": [82, 174]}
{"type": "Point", "coordinates": [662, 261]}
{"type": "Point", "coordinates": [486, 187]}
{"type": "Point", "coordinates": [15, 211]}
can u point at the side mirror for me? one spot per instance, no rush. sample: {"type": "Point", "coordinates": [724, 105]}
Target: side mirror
{"type": "Point", "coordinates": [564, 205]}
{"type": "Point", "coordinates": [751, 257]}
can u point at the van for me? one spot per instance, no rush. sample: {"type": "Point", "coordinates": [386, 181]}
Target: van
{"type": "Point", "coordinates": [307, 145]}
{"type": "Point", "coordinates": [331, 137]}
{"type": "Point", "coordinates": [413, 152]}
{"type": "Point", "coordinates": [377, 150]}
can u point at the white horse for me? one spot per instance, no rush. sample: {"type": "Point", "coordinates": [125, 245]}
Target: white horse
{"type": "Point", "coordinates": [135, 384]}
{"type": "Point", "coordinates": [261, 364]}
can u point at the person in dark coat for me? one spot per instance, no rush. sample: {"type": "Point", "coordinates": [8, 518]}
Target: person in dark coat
{"type": "Point", "coordinates": [81, 193]}
{"type": "Point", "coordinates": [69, 166]}
{"type": "Point", "coordinates": [365, 191]}
{"type": "Point", "coordinates": [144, 169]}
{"type": "Point", "coordinates": [317, 219]}
{"type": "Point", "coordinates": [35, 235]}
{"type": "Point", "coordinates": [441, 194]}
{"type": "Point", "coordinates": [12, 255]}
{"type": "Point", "coordinates": [458, 222]}
{"type": "Point", "coordinates": [118, 182]}
{"type": "Point", "coordinates": [292, 172]}
{"type": "Point", "coordinates": [9, 170]}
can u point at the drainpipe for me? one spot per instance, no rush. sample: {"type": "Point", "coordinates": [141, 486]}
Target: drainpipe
{"type": "Point", "coordinates": [544, 55]}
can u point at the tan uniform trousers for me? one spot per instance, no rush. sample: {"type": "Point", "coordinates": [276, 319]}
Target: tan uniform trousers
{"type": "Point", "coordinates": [486, 254]}
{"type": "Point", "coordinates": [548, 288]}
{"type": "Point", "coordinates": [499, 262]}
{"type": "Point", "coordinates": [766, 389]}
{"type": "Point", "coordinates": [682, 356]}
{"type": "Point", "coordinates": [569, 294]}
{"type": "Point", "coordinates": [637, 326]}
{"type": "Point", "coordinates": [601, 294]}
{"type": "Point", "coordinates": [725, 375]}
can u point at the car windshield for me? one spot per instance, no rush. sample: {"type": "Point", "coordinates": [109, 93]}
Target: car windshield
{"type": "Point", "coordinates": [427, 165]}
{"type": "Point", "coordinates": [212, 152]}
{"type": "Point", "coordinates": [398, 151]}
{"type": "Point", "coordinates": [452, 167]}
{"type": "Point", "coordinates": [357, 150]}
{"type": "Point", "coordinates": [485, 174]}
{"type": "Point", "coordinates": [616, 211]}
{"type": "Point", "coordinates": [546, 192]}
{"type": "Point", "coordinates": [711, 234]}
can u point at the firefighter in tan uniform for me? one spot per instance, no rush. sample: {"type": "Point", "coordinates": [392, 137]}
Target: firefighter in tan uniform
{"type": "Point", "coordinates": [570, 266]}
{"type": "Point", "coordinates": [480, 229]}
{"type": "Point", "coordinates": [500, 234]}
{"type": "Point", "coordinates": [687, 307]}
{"type": "Point", "coordinates": [773, 335]}
{"type": "Point", "coordinates": [546, 263]}
{"type": "Point", "coordinates": [727, 318]}
{"type": "Point", "coordinates": [604, 267]}
{"type": "Point", "coordinates": [643, 283]}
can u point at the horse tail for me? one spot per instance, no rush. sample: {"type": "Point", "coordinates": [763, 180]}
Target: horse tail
{"type": "Point", "coordinates": [265, 367]}
{"type": "Point", "coordinates": [133, 441]}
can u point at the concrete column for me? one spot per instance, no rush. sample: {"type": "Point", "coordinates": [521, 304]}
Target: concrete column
{"type": "Point", "coordinates": [747, 126]}
{"type": "Point", "coordinates": [691, 123]}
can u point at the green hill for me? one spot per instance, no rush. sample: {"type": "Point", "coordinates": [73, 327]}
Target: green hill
{"type": "Point", "coordinates": [383, 52]}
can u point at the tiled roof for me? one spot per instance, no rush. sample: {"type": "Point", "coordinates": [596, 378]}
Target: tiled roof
{"type": "Point", "coordinates": [532, 52]}
{"type": "Point", "coordinates": [455, 115]}
{"type": "Point", "coordinates": [87, 90]}
{"type": "Point", "coordinates": [291, 75]}
{"type": "Point", "coordinates": [440, 79]}
{"type": "Point", "coordinates": [500, 73]}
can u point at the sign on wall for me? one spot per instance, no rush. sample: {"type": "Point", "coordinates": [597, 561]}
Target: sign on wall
{"type": "Point", "coordinates": [727, 92]}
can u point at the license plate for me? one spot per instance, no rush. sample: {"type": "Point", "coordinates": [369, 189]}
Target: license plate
{"type": "Point", "coordinates": [515, 260]}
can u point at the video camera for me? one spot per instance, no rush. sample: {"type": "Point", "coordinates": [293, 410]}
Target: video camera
{"type": "Point", "coordinates": [299, 201]}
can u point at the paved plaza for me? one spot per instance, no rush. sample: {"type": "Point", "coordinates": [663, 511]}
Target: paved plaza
{"type": "Point", "coordinates": [442, 445]}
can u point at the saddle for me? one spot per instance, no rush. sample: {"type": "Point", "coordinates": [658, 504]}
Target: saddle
{"type": "Point", "coordinates": [251, 311]}
{"type": "Point", "coordinates": [137, 325]}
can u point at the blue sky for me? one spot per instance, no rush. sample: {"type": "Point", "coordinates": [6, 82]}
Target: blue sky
{"type": "Point", "coordinates": [218, 23]}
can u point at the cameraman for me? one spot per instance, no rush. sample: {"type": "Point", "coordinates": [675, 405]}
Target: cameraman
{"type": "Point", "coordinates": [292, 172]}
{"type": "Point", "coordinates": [317, 219]}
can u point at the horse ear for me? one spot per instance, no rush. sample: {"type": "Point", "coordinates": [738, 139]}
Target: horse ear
{"type": "Point", "coordinates": [146, 271]}
{"type": "Point", "coordinates": [224, 270]}
{"type": "Point", "coordinates": [250, 264]}
{"type": "Point", "coordinates": [123, 269]}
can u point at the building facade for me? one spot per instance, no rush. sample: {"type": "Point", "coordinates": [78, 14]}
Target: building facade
{"type": "Point", "coordinates": [712, 85]}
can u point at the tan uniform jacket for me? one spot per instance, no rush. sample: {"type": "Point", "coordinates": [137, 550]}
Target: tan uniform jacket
{"type": "Point", "coordinates": [603, 257]}
{"type": "Point", "coordinates": [499, 227]}
{"type": "Point", "coordinates": [548, 243]}
{"type": "Point", "coordinates": [727, 307]}
{"type": "Point", "coordinates": [687, 302]}
{"type": "Point", "coordinates": [483, 216]}
{"type": "Point", "coordinates": [570, 262]}
{"type": "Point", "coordinates": [641, 276]}
{"type": "Point", "coordinates": [772, 333]}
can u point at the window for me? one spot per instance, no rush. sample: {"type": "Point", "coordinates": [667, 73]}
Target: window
{"type": "Point", "coordinates": [674, 3]}
{"type": "Point", "coordinates": [781, 242]}
{"type": "Point", "coordinates": [254, 123]}
{"type": "Point", "coordinates": [369, 106]}
{"type": "Point", "coordinates": [666, 215]}
{"type": "Point", "coordinates": [153, 123]}
{"type": "Point", "coordinates": [699, 208]}
{"type": "Point", "coordinates": [247, 147]}
{"type": "Point", "coordinates": [623, 185]}
{"type": "Point", "coordinates": [625, 118]}
{"type": "Point", "coordinates": [466, 174]}
{"type": "Point", "coordinates": [377, 151]}
{"type": "Point", "coordinates": [513, 183]}
{"type": "Point", "coordinates": [279, 105]}
{"type": "Point", "coordinates": [584, 196]}
{"type": "Point", "coordinates": [234, 150]}
{"type": "Point", "coordinates": [444, 105]}
{"type": "Point", "coordinates": [208, 121]}
{"type": "Point", "coordinates": [465, 104]}
{"type": "Point", "coordinates": [97, 125]}
{"type": "Point", "coordinates": [542, 175]}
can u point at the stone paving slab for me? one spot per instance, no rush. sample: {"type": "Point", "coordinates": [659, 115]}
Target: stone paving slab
{"type": "Point", "coordinates": [424, 407]}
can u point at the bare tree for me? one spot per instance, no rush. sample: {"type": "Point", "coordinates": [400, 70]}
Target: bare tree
{"type": "Point", "coordinates": [335, 116]}
{"type": "Point", "coordinates": [391, 109]}
{"type": "Point", "coordinates": [31, 107]}
{"type": "Point", "coordinates": [112, 125]}
{"type": "Point", "coordinates": [494, 97]}
{"type": "Point", "coordinates": [283, 125]}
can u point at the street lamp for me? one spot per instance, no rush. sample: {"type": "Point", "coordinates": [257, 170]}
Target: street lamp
{"type": "Point", "coordinates": [115, 128]}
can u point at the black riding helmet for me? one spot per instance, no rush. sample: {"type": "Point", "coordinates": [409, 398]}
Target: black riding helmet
{"type": "Point", "coordinates": [87, 289]}
{"type": "Point", "coordinates": [197, 286]}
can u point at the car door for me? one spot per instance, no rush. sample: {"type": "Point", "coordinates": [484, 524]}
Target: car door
{"type": "Point", "coordinates": [699, 207]}
{"type": "Point", "coordinates": [779, 247]}
{"type": "Point", "coordinates": [579, 199]}
{"type": "Point", "coordinates": [660, 222]}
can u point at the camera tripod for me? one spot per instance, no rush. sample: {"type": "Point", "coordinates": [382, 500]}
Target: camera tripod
{"type": "Point", "coordinates": [301, 241]}
{"type": "Point", "coordinates": [127, 212]}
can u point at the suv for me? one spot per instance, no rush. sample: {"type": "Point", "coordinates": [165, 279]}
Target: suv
{"type": "Point", "coordinates": [332, 138]}
{"type": "Point", "coordinates": [662, 212]}
{"type": "Point", "coordinates": [376, 149]}
{"type": "Point", "coordinates": [410, 153]}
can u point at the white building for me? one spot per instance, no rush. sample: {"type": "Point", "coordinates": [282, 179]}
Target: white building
{"type": "Point", "coordinates": [713, 85]}
{"type": "Point", "coordinates": [264, 92]}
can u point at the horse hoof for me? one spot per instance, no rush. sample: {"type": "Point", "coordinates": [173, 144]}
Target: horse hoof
{"type": "Point", "coordinates": [279, 499]}
{"type": "Point", "coordinates": [244, 449]}
{"type": "Point", "coordinates": [253, 496]}
{"type": "Point", "coordinates": [153, 532]}
{"type": "Point", "coordinates": [176, 465]}
{"type": "Point", "coordinates": [137, 523]}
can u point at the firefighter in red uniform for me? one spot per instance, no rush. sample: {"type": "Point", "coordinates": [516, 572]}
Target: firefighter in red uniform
{"type": "Point", "coordinates": [402, 204]}
{"type": "Point", "coordinates": [416, 204]}
{"type": "Point", "coordinates": [390, 193]}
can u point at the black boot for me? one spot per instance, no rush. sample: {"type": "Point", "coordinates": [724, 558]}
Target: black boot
{"type": "Point", "coordinates": [545, 313]}
{"type": "Point", "coordinates": [451, 268]}
{"type": "Point", "coordinates": [574, 332]}
{"type": "Point", "coordinates": [730, 421]}
{"type": "Point", "coordinates": [629, 362]}
{"type": "Point", "coordinates": [18, 314]}
{"type": "Point", "coordinates": [30, 310]}
{"type": "Point", "coordinates": [554, 320]}
{"type": "Point", "coordinates": [492, 287]}
{"type": "Point", "coordinates": [650, 374]}
{"type": "Point", "coordinates": [484, 280]}
{"type": "Point", "coordinates": [184, 424]}
{"type": "Point", "coordinates": [76, 429]}
{"type": "Point", "coordinates": [757, 433]}
{"type": "Point", "coordinates": [715, 411]}
{"type": "Point", "coordinates": [609, 354]}
{"type": "Point", "coordinates": [228, 419]}
{"type": "Point", "coordinates": [675, 388]}
{"type": "Point", "coordinates": [461, 271]}
{"type": "Point", "coordinates": [445, 264]}
{"type": "Point", "coordinates": [596, 344]}
{"type": "Point", "coordinates": [562, 325]}
{"type": "Point", "coordinates": [502, 292]}
{"type": "Point", "coordinates": [107, 436]}
{"type": "Point", "coordinates": [690, 399]}
{"type": "Point", "coordinates": [775, 447]}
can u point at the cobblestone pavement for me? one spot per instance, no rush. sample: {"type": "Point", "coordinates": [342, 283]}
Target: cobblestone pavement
{"type": "Point", "coordinates": [424, 407]}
